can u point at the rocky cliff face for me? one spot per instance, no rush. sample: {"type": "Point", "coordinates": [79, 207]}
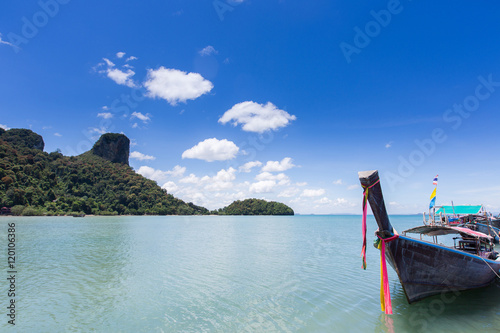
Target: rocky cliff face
{"type": "Point", "coordinates": [21, 137]}
{"type": "Point", "coordinates": [113, 147]}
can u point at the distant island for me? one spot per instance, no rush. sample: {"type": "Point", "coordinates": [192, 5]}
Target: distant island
{"type": "Point", "coordinates": [256, 207]}
{"type": "Point", "coordinates": [97, 182]}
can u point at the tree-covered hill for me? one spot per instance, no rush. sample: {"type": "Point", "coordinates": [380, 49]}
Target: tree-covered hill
{"type": "Point", "coordinates": [256, 207]}
{"type": "Point", "coordinates": [34, 182]}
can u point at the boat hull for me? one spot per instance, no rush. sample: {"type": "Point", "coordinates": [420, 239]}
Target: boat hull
{"type": "Point", "coordinates": [425, 269]}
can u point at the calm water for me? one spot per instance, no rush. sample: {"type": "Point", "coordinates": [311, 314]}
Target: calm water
{"type": "Point", "coordinates": [216, 274]}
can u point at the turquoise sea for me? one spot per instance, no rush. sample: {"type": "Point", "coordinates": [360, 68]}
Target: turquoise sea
{"type": "Point", "coordinates": [216, 274]}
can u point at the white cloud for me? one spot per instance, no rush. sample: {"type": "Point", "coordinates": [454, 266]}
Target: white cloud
{"type": "Point", "coordinates": [208, 50]}
{"type": "Point", "coordinates": [191, 179]}
{"type": "Point", "coordinates": [257, 117]}
{"type": "Point", "coordinates": [313, 193]}
{"type": "Point", "coordinates": [324, 201]}
{"type": "Point", "coordinates": [212, 150]}
{"type": "Point", "coordinates": [6, 43]}
{"type": "Point", "coordinates": [153, 174]}
{"type": "Point", "coordinates": [144, 117]}
{"type": "Point", "coordinates": [135, 125]}
{"type": "Point", "coordinates": [278, 166]}
{"type": "Point", "coordinates": [301, 184]}
{"type": "Point", "coordinates": [247, 167]}
{"type": "Point", "coordinates": [221, 181]}
{"type": "Point", "coordinates": [353, 187]}
{"type": "Point", "coordinates": [159, 175]}
{"type": "Point", "coordinates": [338, 182]}
{"type": "Point", "coordinates": [5, 127]}
{"type": "Point", "coordinates": [101, 130]}
{"type": "Point", "coordinates": [105, 108]}
{"type": "Point", "coordinates": [109, 62]}
{"type": "Point", "coordinates": [388, 145]}
{"type": "Point", "coordinates": [140, 156]}
{"type": "Point", "coordinates": [121, 77]}
{"type": "Point", "coordinates": [131, 58]}
{"type": "Point", "coordinates": [289, 192]}
{"type": "Point", "coordinates": [280, 179]}
{"type": "Point", "coordinates": [120, 55]}
{"type": "Point", "coordinates": [105, 115]}
{"type": "Point", "coordinates": [263, 186]}
{"type": "Point", "coordinates": [175, 86]}
{"type": "Point", "coordinates": [341, 202]}
{"type": "Point", "coordinates": [177, 171]}
{"type": "Point", "coordinates": [170, 186]}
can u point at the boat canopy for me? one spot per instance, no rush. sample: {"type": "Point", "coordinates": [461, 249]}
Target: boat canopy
{"type": "Point", "coordinates": [459, 210]}
{"type": "Point", "coordinates": [439, 230]}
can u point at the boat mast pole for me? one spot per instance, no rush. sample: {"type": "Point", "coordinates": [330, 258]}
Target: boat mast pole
{"type": "Point", "coordinates": [370, 179]}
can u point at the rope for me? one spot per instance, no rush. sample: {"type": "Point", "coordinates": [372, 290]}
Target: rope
{"type": "Point", "coordinates": [498, 276]}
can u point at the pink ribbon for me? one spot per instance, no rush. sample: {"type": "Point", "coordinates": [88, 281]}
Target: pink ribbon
{"type": "Point", "coordinates": [363, 223]}
{"type": "Point", "coordinates": [384, 283]}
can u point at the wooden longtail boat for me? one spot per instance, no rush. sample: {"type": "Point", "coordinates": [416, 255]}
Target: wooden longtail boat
{"type": "Point", "coordinates": [427, 268]}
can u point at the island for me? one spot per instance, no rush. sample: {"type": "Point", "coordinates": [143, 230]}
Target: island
{"type": "Point", "coordinates": [98, 182]}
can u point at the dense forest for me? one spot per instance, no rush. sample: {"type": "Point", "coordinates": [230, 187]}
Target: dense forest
{"type": "Point", "coordinates": [256, 207]}
{"type": "Point", "coordinates": [34, 182]}
{"type": "Point", "coordinates": [99, 182]}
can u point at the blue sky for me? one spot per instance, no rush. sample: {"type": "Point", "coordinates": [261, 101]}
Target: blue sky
{"type": "Point", "coordinates": [280, 100]}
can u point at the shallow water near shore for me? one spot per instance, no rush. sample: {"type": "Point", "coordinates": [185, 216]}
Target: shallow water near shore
{"type": "Point", "coordinates": [217, 274]}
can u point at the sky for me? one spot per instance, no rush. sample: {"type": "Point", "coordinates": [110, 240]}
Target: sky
{"type": "Point", "coordinates": [280, 100]}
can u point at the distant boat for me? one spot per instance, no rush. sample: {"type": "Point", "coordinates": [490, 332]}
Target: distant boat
{"type": "Point", "coordinates": [78, 215]}
{"type": "Point", "coordinates": [426, 268]}
{"type": "Point", "coordinates": [473, 217]}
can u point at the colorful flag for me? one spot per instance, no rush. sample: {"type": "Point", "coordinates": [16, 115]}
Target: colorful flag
{"type": "Point", "coordinates": [433, 202]}
{"type": "Point", "coordinates": [433, 194]}
{"type": "Point", "coordinates": [435, 181]}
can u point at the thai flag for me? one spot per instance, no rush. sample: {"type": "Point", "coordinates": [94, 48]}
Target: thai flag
{"type": "Point", "coordinates": [435, 181]}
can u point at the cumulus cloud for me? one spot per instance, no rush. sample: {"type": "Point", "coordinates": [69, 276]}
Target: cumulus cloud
{"type": "Point", "coordinates": [256, 117]}
{"type": "Point", "coordinates": [324, 201]}
{"type": "Point", "coordinates": [151, 173]}
{"type": "Point", "coordinates": [208, 50]}
{"type": "Point", "coordinates": [57, 134]}
{"type": "Point", "coordinates": [247, 167]}
{"type": "Point", "coordinates": [313, 193]}
{"type": "Point", "coordinates": [278, 166]}
{"type": "Point", "coordinates": [353, 187]}
{"type": "Point", "coordinates": [144, 117]}
{"type": "Point", "coordinates": [212, 150]}
{"type": "Point", "coordinates": [120, 55]}
{"type": "Point", "coordinates": [131, 58]}
{"type": "Point", "coordinates": [280, 179]}
{"type": "Point", "coordinates": [177, 171]}
{"type": "Point", "coordinates": [5, 127]}
{"type": "Point", "coordinates": [105, 115]}
{"type": "Point", "coordinates": [140, 156]}
{"type": "Point", "coordinates": [338, 182]}
{"type": "Point", "coordinates": [263, 186]}
{"type": "Point", "coordinates": [170, 186]}
{"type": "Point", "coordinates": [175, 86]}
{"type": "Point", "coordinates": [191, 179]}
{"type": "Point", "coordinates": [121, 77]}
{"type": "Point", "coordinates": [159, 175]}
{"type": "Point", "coordinates": [221, 181]}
